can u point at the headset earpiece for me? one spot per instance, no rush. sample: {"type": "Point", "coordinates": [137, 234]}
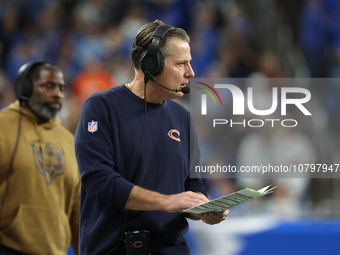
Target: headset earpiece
{"type": "Point", "coordinates": [23, 86]}
{"type": "Point", "coordinates": [152, 60]}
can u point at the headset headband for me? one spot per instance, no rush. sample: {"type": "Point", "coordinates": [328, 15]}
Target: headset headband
{"type": "Point", "coordinates": [159, 33]}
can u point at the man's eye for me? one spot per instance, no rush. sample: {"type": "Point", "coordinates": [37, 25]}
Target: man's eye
{"type": "Point", "coordinates": [49, 86]}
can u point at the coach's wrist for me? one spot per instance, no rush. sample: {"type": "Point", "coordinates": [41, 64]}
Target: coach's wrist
{"type": "Point", "coordinates": [162, 203]}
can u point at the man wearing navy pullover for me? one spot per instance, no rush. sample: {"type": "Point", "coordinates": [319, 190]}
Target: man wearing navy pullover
{"type": "Point", "coordinates": [135, 166]}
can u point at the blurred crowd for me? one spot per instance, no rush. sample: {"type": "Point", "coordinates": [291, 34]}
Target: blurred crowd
{"type": "Point", "coordinates": [90, 41]}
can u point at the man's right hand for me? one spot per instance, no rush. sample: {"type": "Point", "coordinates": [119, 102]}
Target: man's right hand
{"type": "Point", "coordinates": [147, 200]}
{"type": "Point", "coordinates": [182, 201]}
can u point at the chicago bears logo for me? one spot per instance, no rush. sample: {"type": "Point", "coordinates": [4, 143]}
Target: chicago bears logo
{"type": "Point", "coordinates": [48, 159]}
{"type": "Point", "coordinates": [138, 244]}
{"type": "Point", "coordinates": [175, 137]}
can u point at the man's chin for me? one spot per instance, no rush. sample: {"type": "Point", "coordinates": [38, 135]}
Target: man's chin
{"type": "Point", "coordinates": [52, 112]}
{"type": "Point", "coordinates": [179, 94]}
{"type": "Point", "coordinates": [46, 113]}
{"type": "Point", "coordinates": [48, 116]}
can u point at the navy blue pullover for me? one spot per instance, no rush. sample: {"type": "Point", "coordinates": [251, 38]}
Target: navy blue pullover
{"type": "Point", "coordinates": [108, 134]}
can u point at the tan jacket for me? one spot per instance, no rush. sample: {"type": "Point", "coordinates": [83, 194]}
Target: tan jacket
{"type": "Point", "coordinates": [41, 205]}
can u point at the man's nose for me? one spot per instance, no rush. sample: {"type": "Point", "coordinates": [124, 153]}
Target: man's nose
{"type": "Point", "coordinates": [57, 92]}
{"type": "Point", "coordinates": [190, 72]}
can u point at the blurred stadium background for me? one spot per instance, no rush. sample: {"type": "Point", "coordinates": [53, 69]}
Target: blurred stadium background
{"type": "Point", "coordinates": [90, 41]}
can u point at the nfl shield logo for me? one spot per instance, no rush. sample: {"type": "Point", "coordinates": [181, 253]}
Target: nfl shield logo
{"type": "Point", "coordinates": [92, 126]}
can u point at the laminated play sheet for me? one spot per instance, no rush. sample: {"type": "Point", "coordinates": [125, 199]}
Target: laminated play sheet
{"type": "Point", "coordinates": [231, 200]}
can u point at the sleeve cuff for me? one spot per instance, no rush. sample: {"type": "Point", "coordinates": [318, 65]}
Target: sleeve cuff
{"type": "Point", "coordinates": [121, 192]}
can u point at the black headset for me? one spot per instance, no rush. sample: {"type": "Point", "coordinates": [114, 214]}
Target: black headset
{"type": "Point", "coordinates": [152, 60]}
{"type": "Point", "coordinates": [23, 85]}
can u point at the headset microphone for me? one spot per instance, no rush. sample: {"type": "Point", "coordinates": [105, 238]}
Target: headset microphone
{"type": "Point", "coordinates": [185, 90]}
{"type": "Point", "coordinates": [149, 76]}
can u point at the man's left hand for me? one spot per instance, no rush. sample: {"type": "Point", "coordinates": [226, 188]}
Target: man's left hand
{"type": "Point", "coordinates": [214, 217]}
